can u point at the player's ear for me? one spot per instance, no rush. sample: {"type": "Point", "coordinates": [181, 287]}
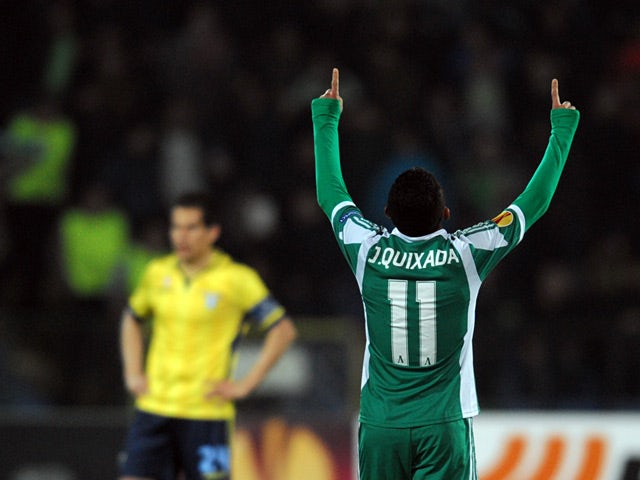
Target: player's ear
{"type": "Point", "coordinates": [214, 233]}
{"type": "Point", "coordinates": [446, 213]}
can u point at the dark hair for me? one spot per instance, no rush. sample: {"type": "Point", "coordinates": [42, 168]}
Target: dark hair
{"type": "Point", "coordinates": [416, 202]}
{"type": "Point", "coordinates": [202, 201]}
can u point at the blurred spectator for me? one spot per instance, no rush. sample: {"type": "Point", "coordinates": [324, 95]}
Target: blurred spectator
{"type": "Point", "coordinates": [132, 173]}
{"type": "Point", "coordinates": [93, 238]}
{"type": "Point", "coordinates": [93, 243]}
{"type": "Point", "coordinates": [64, 49]}
{"type": "Point", "coordinates": [196, 64]}
{"type": "Point", "coordinates": [27, 377]}
{"type": "Point", "coordinates": [109, 96]}
{"type": "Point", "coordinates": [622, 362]}
{"type": "Point", "coordinates": [181, 162]}
{"type": "Point", "coordinates": [37, 149]}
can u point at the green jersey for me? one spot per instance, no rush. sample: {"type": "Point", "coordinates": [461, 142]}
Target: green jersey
{"type": "Point", "coordinates": [419, 293]}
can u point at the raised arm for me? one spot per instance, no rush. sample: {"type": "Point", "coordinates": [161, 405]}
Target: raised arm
{"type": "Point", "coordinates": [536, 198]}
{"type": "Point", "coordinates": [325, 111]}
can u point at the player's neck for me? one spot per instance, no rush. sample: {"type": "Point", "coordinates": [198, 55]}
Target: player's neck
{"type": "Point", "coordinates": [192, 267]}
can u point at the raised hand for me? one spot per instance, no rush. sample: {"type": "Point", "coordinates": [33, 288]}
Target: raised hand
{"type": "Point", "coordinates": [555, 97]}
{"type": "Point", "coordinates": [334, 91]}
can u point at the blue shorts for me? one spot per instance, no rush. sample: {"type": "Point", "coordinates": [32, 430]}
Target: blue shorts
{"type": "Point", "coordinates": [159, 447]}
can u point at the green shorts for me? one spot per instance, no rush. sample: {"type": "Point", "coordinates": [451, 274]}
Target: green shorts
{"type": "Point", "coordinates": [443, 451]}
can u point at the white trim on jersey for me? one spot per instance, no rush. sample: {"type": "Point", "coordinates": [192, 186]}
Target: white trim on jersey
{"type": "Point", "coordinates": [487, 239]}
{"type": "Point", "coordinates": [365, 360]}
{"type": "Point", "coordinates": [354, 232]}
{"type": "Point", "coordinates": [521, 219]}
{"type": "Point", "coordinates": [340, 206]}
{"type": "Point", "coordinates": [359, 274]}
{"type": "Point", "coordinates": [473, 471]}
{"type": "Point", "coordinates": [363, 252]}
{"type": "Point", "coordinates": [468, 395]}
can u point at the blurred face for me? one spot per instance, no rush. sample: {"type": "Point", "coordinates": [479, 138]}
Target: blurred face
{"type": "Point", "coordinates": [190, 237]}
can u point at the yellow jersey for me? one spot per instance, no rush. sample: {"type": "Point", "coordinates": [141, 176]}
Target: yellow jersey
{"type": "Point", "coordinates": [196, 324]}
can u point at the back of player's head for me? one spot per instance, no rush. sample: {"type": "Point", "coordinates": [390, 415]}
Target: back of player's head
{"type": "Point", "coordinates": [202, 201]}
{"type": "Point", "coordinates": [416, 202]}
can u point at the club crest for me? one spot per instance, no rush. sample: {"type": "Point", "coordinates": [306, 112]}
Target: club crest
{"type": "Point", "coordinates": [211, 300]}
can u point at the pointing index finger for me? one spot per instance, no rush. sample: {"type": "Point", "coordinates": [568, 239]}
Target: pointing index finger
{"type": "Point", "coordinates": [335, 82]}
{"type": "Point", "coordinates": [555, 97]}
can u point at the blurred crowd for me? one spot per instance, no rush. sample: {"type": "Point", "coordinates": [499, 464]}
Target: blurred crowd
{"type": "Point", "coordinates": [111, 108]}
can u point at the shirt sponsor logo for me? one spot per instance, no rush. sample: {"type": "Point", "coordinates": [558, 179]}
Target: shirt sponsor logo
{"type": "Point", "coordinates": [388, 257]}
{"type": "Point", "coordinates": [504, 219]}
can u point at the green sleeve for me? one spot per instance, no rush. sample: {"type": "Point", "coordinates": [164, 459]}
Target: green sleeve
{"type": "Point", "coordinates": [330, 187]}
{"type": "Point", "coordinates": [536, 198]}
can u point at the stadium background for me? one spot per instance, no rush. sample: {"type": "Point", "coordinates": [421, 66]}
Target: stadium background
{"type": "Point", "coordinates": [111, 107]}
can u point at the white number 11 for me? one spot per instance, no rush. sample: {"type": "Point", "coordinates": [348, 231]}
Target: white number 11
{"type": "Point", "coordinates": [426, 298]}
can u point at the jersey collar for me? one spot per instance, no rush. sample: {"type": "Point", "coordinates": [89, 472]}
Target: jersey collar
{"type": "Point", "coordinates": [438, 233]}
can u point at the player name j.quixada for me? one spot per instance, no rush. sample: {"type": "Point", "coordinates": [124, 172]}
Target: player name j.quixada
{"type": "Point", "coordinates": [411, 260]}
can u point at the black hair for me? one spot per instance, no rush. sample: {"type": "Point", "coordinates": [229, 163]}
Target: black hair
{"type": "Point", "coordinates": [202, 201]}
{"type": "Point", "coordinates": [416, 202]}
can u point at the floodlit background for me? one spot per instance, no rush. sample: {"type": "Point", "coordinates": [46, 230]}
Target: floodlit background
{"type": "Point", "coordinates": [111, 108]}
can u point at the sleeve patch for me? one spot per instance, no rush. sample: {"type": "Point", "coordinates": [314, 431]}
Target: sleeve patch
{"type": "Point", "coordinates": [504, 219]}
{"type": "Point", "coordinates": [345, 216]}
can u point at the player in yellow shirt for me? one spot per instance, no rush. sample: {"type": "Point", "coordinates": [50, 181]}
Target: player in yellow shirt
{"type": "Point", "coordinates": [199, 302]}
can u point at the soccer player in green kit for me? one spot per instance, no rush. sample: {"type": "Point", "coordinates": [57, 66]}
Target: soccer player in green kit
{"type": "Point", "coordinates": [419, 285]}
